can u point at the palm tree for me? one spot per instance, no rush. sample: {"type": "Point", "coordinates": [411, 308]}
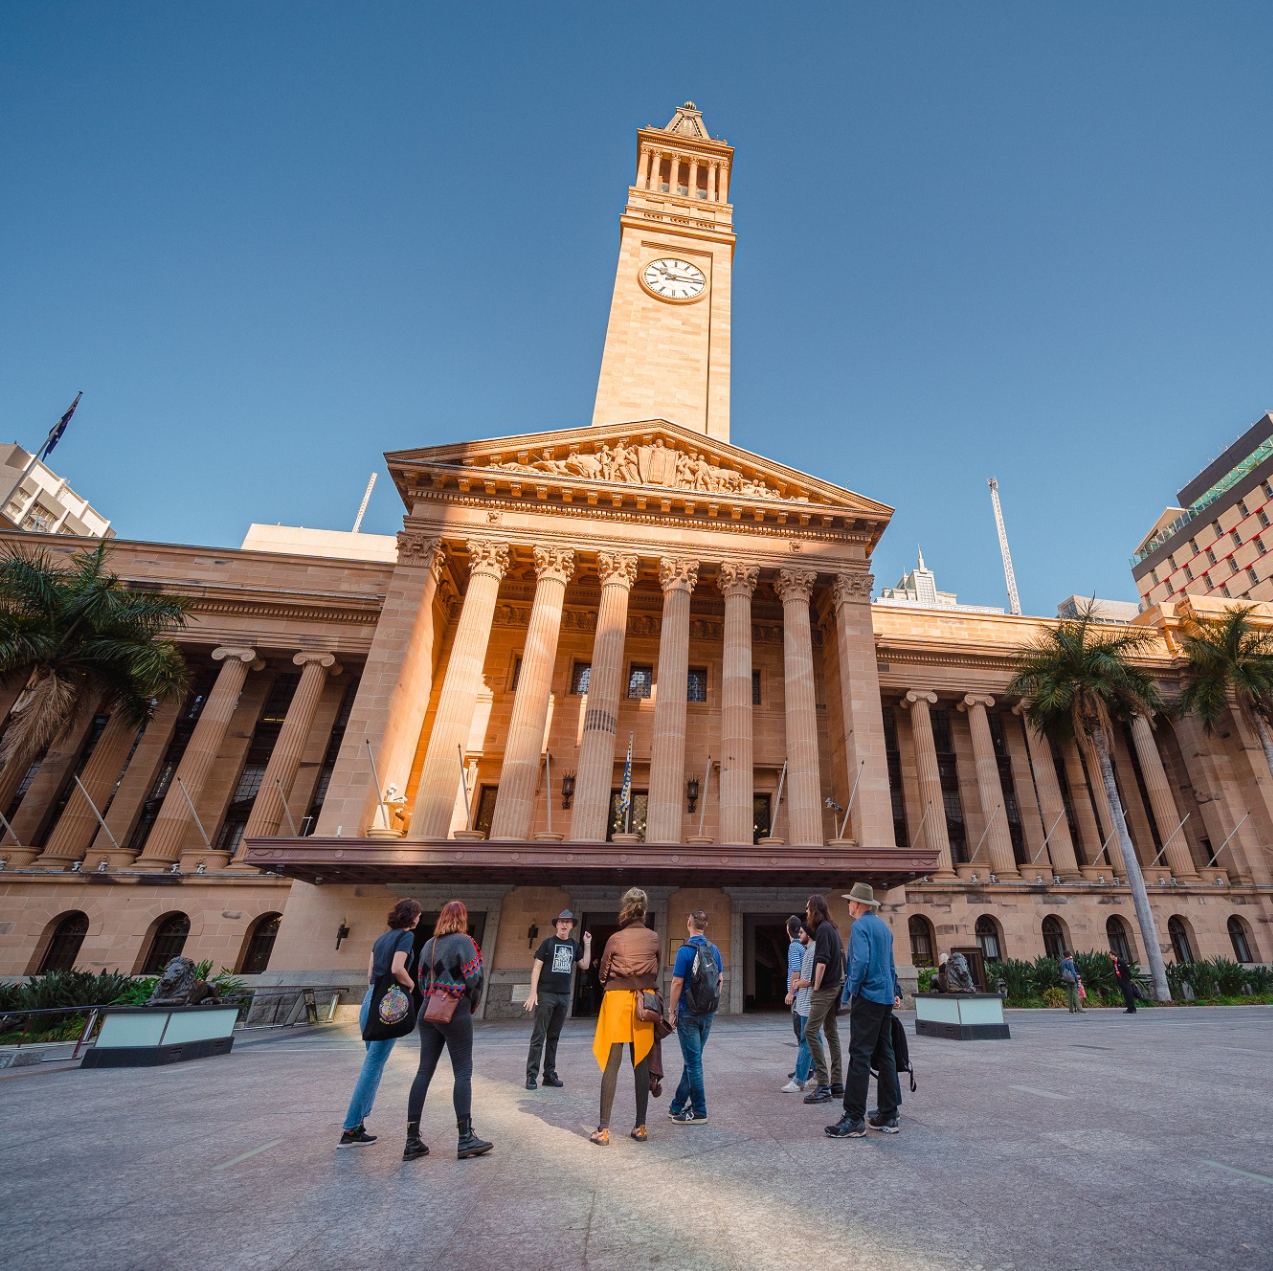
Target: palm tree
{"type": "Point", "coordinates": [82, 640]}
{"type": "Point", "coordinates": [1228, 658]}
{"type": "Point", "coordinates": [1080, 678]}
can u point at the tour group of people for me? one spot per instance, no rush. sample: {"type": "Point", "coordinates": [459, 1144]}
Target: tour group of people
{"type": "Point", "coordinates": [436, 992]}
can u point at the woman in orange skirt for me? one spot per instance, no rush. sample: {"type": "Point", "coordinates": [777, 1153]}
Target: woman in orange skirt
{"type": "Point", "coordinates": [629, 965]}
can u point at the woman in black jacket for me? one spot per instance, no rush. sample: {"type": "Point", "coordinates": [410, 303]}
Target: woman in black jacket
{"type": "Point", "coordinates": [450, 970]}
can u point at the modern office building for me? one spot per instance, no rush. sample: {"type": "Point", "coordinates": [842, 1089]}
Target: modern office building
{"type": "Point", "coordinates": [41, 502]}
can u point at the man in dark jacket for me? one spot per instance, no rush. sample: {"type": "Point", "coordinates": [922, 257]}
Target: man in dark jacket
{"type": "Point", "coordinates": [1123, 974]}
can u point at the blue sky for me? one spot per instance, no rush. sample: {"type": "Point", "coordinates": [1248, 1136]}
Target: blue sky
{"type": "Point", "coordinates": [271, 242]}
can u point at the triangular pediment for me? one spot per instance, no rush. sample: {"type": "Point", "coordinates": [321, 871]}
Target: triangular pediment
{"type": "Point", "coordinates": [688, 122]}
{"type": "Point", "coordinates": [652, 456]}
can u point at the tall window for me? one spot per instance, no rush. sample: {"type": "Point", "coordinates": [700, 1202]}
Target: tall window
{"type": "Point", "coordinates": [1053, 937]}
{"type": "Point", "coordinates": [256, 957]}
{"type": "Point", "coordinates": [69, 788]}
{"type": "Point", "coordinates": [640, 680]}
{"type": "Point", "coordinates": [947, 768]}
{"type": "Point", "coordinates": [168, 942]}
{"type": "Point", "coordinates": [1009, 788]}
{"type": "Point", "coordinates": [921, 940]}
{"type": "Point", "coordinates": [761, 811]}
{"type": "Point", "coordinates": [580, 677]}
{"type": "Point", "coordinates": [988, 938]}
{"type": "Point", "coordinates": [755, 688]}
{"type": "Point", "coordinates": [696, 689]}
{"type": "Point", "coordinates": [329, 759]}
{"type": "Point", "coordinates": [1237, 937]}
{"type": "Point", "coordinates": [1180, 945]}
{"type": "Point", "coordinates": [893, 755]}
{"type": "Point", "coordinates": [64, 946]}
{"type": "Point", "coordinates": [486, 809]}
{"type": "Point", "coordinates": [1116, 934]}
{"type": "Point", "coordinates": [636, 823]}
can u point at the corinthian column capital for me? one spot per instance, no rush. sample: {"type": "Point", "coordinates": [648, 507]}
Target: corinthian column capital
{"type": "Point", "coordinates": [677, 573]}
{"type": "Point", "coordinates": [488, 558]}
{"type": "Point", "coordinates": [852, 588]}
{"type": "Point", "coordinates": [617, 571]}
{"type": "Point", "coordinates": [738, 578]}
{"type": "Point", "coordinates": [795, 584]}
{"type": "Point", "coordinates": [557, 563]}
{"type": "Point", "coordinates": [417, 547]}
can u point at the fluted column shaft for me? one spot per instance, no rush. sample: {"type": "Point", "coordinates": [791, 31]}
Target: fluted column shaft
{"type": "Point", "coordinates": [1114, 851]}
{"type": "Point", "coordinates": [76, 826]}
{"type": "Point", "coordinates": [1161, 800]}
{"type": "Point", "coordinates": [693, 181]}
{"type": "Point", "coordinates": [804, 782]}
{"type": "Point", "coordinates": [643, 175]}
{"type": "Point", "coordinates": [737, 580]}
{"type": "Point", "coordinates": [1090, 835]}
{"type": "Point", "coordinates": [393, 693]}
{"type": "Point", "coordinates": [724, 183]}
{"type": "Point", "coordinates": [168, 834]}
{"type": "Point", "coordinates": [515, 803]}
{"type": "Point", "coordinates": [605, 682]}
{"type": "Point", "coordinates": [266, 817]}
{"type": "Point", "coordinates": [933, 812]}
{"type": "Point", "coordinates": [989, 787]}
{"type": "Point", "coordinates": [678, 578]}
{"type": "Point", "coordinates": [1051, 802]}
{"type": "Point", "coordinates": [440, 775]}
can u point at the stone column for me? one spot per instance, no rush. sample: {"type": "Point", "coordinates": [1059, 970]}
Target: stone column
{"type": "Point", "coordinates": [871, 821]}
{"type": "Point", "coordinates": [1114, 852]}
{"type": "Point", "coordinates": [713, 178]}
{"type": "Point", "coordinates": [77, 825]}
{"type": "Point", "coordinates": [1090, 834]}
{"type": "Point", "coordinates": [693, 181]}
{"type": "Point", "coordinates": [737, 580]}
{"type": "Point", "coordinates": [1051, 801]}
{"type": "Point", "coordinates": [605, 682]}
{"type": "Point", "coordinates": [643, 171]}
{"type": "Point", "coordinates": [724, 183]}
{"type": "Point", "coordinates": [930, 791]}
{"type": "Point", "coordinates": [678, 578]}
{"type": "Point", "coordinates": [674, 174]}
{"type": "Point", "coordinates": [804, 785]}
{"type": "Point", "coordinates": [173, 824]}
{"type": "Point", "coordinates": [515, 803]}
{"type": "Point", "coordinates": [266, 818]}
{"type": "Point", "coordinates": [989, 787]}
{"type": "Point", "coordinates": [440, 776]}
{"type": "Point", "coordinates": [393, 693]}
{"type": "Point", "coordinates": [1161, 800]}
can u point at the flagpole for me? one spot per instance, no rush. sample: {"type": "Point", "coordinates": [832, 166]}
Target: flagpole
{"type": "Point", "coordinates": [55, 435]}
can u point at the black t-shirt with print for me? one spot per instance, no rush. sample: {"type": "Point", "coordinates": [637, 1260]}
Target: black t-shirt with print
{"type": "Point", "coordinates": [559, 958]}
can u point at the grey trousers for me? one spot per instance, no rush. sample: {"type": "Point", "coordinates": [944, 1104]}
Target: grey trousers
{"type": "Point", "coordinates": [550, 1014]}
{"type": "Point", "coordinates": [822, 1004]}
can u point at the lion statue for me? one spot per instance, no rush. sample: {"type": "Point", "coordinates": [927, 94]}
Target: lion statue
{"type": "Point", "coordinates": [176, 985]}
{"type": "Point", "coordinates": [958, 976]}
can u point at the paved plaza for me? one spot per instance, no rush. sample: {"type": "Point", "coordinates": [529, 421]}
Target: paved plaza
{"type": "Point", "coordinates": [1092, 1142]}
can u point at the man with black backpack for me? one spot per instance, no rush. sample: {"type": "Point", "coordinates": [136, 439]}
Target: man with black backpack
{"type": "Point", "coordinates": [696, 979]}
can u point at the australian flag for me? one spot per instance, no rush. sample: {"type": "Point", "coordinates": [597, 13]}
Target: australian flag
{"type": "Point", "coordinates": [625, 791]}
{"type": "Point", "coordinates": [59, 428]}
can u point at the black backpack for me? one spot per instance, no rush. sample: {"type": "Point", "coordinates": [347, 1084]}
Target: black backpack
{"type": "Point", "coordinates": [901, 1052]}
{"type": "Point", "coordinates": [702, 985]}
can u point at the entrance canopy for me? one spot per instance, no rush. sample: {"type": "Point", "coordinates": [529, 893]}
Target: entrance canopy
{"type": "Point", "coordinates": [360, 860]}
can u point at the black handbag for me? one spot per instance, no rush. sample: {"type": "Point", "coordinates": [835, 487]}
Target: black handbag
{"type": "Point", "coordinates": [393, 1010]}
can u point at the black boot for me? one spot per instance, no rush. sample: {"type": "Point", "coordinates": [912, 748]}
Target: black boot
{"type": "Point", "coordinates": [470, 1144]}
{"type": "Point", "coordinates": [414, 1148]}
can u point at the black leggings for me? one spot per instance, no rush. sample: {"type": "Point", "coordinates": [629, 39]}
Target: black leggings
{"type": "Point", "coordinates": [610, 1082]}
{"type": "Point", "coordinates": [457, 1037]}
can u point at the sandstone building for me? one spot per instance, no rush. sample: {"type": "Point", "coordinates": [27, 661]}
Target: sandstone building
{"type": "Point", "coordinates": [454, 718]}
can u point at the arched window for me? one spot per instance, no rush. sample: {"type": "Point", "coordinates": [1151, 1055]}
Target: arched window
{"type": "Point", "coordinates": [1240, 939]}
{"type": "Point", "coordinates": [64, 944]}
{"type": "Point", "coordinates": [988, 938]}
{"type": "Point", "coordinates": [168, 941]}
{"type": "Point", "coordinates": [1179, 934]}
{"type": "Point", "coordinates": [1116, 933]}
{"type": "Point", "coordinates": [921, 940]}
{"type": "Point", "coordinates": [256, 955]}
{"type": "Point", "coordinates": [1053, 937]}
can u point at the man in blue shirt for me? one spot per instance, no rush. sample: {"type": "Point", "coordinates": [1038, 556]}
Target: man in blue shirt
{"type": "Point", "coordinates": [695, 997]}
{"type": "Point", "coordinates": [872, 981]}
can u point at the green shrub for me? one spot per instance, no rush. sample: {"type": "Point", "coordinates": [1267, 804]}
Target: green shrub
{"type": "Point", "coordinates": [1260, 978]}
{"type": "Point", "coordinates": [1097, 973]}
{"type": "Point", "coordinates": [1046, 974]}
{"type": "Point", "coordinates": [1055, 996]}
{"type": "Point", "coordinates": [927, 977]}
{"type": "Point", "coordinates": [1231, 978]}
{"type": "Point", "coordinates": [1016, 976]}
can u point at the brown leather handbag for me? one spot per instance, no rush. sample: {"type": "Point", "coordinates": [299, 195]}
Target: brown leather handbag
{"type": "Point", "coordinates": [649, 1006]}
{"type": "Point", "coordinates": [440, 1007]}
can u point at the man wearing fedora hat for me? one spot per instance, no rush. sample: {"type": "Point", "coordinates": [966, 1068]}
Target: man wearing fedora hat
{"type": "Point", "coordinates": [549, 996]}
{"type": "Point", "coordinates": [871, 981]}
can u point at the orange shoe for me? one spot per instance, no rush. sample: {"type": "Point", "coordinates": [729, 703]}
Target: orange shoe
{"type": "Point", "coordinates": [640, 1134]}
{"type": "Point", "coordinates": [600, 1137]}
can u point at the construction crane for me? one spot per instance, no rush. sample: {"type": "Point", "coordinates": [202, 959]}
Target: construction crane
{"type": "Point", "coordinates": [1014, 601]}
{"type": "Point", "coordinates": [362, 507]}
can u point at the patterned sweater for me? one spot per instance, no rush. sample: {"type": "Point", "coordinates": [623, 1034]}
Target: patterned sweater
{"type": "Point", "coordinates": [455, 969]}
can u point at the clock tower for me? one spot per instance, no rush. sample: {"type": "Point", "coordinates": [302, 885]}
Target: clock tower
{"type": "Point", "coordinates": [667, 343]}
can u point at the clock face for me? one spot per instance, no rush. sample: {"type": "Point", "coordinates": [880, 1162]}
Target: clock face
{"type": "Point", "coordinates": [674, 279]}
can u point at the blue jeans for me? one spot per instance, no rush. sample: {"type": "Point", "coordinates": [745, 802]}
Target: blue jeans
{"type": "Point", "coordinates": [691, 1032]}
{"type": "Point", "coordinates": [373, 1067]}
{"type": "Point", "coordinates": [804, 1060]}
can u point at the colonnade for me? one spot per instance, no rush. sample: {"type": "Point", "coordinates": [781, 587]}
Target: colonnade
{"type": "Point", "coordinates": [650, 173]}
{"type": "Point", "coordinates": [678, 578]}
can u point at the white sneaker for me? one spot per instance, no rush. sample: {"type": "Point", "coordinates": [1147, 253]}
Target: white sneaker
{"type": "Point", "coordinates": [792, 1087]}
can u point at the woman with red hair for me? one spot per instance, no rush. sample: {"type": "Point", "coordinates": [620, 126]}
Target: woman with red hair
{"type": "Point", "coordinates": [450, 978]}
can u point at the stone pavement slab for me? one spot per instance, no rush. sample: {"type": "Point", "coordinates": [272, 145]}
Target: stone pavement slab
{"type": "Point", "coordinates": [1101, 1141]}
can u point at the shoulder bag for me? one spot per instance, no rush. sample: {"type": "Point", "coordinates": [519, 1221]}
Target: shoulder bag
{"type": "Point", "coordinates": [393, 1010]}
{"type": "Point", "coordinates": [439, 1007]}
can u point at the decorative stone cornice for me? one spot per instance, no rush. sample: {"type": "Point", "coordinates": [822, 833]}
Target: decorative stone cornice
{"type": "Point", "coordinates": [917, 695]}
{"type": "Point", "coordinates": [678, 573]}
{"type": "Point", "coordinates": [487, 558]}
{"type": "Point", "coordinates": [738, 578]}
{"type": "Point", "coordinates": [976, 699]}
{"type": "Point", "coordinates": [554, 563]}
{"type": "Point", "coordinates": [852, 589]}
{"type": "Point", "coordinates": [795, 584]}
{"type": "Point", "coordinates": [327, 660]}
{"type": "Point", "coordinates": [616, 571]}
